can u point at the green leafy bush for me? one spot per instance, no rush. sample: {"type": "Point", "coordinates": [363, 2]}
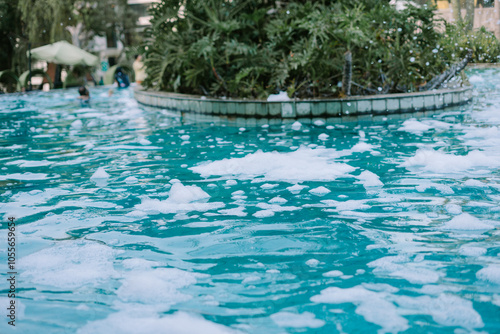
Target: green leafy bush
{"type": "Point", "coordinates": [484, 45]}
{"type": "Point", "coordinates": [255, 48]}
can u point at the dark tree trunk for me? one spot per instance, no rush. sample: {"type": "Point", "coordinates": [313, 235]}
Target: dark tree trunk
{"type": "Point", "coordinates": [347, 77]}
{"type": "Point", "coordinates": [447, 75]}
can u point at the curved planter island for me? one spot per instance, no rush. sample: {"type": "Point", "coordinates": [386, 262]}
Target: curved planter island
{"type": "Point", "coordinates": [309, 108]}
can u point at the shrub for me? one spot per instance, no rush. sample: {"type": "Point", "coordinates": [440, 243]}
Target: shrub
{"type": "Point", "coordinates": [484, 45]}
{"type": "Point", "coordinates": [255, 48]}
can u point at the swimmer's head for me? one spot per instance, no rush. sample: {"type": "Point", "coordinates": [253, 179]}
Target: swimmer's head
{"type": "Point", "coordinates": [83, 91]}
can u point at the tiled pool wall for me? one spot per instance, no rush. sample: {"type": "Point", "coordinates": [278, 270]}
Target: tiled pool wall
{"type": "Point", "coordinates": [350, 107]}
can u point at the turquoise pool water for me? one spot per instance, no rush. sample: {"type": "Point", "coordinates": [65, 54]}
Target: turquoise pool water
{"type": "Point", "coordinates": [140, 220]}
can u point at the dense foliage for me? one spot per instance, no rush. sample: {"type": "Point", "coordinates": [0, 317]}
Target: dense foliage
{"type": "Point", "coordinates": [255, 48]}
{"type": "Point", "coordinates": [10, 28]}
{"type": "Point", "coordinates": [49, 21]}
{"type": "Point", "coordinates": [46, 21]}
{"type": "Point", "coordinates": [456, 41]}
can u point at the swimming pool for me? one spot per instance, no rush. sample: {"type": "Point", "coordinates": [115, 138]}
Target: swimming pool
{"type": "Point", "coordinates": [139, 220]}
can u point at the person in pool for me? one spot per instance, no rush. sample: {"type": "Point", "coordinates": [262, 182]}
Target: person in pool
{"type": "Point", "coordinates": [121, 78]}
{"type": "Point", "coordinates": [84, 95]}
{"type": "Point", "coordinates": [139, 69]}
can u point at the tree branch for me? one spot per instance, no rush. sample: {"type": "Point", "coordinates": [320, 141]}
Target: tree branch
{"type": "Point", "coordinates": [447, 75]}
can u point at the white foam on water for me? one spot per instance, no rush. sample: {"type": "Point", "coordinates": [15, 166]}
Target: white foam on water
{"type": "Point", "coordinates": [304, 164]}
{"type": "Point", "coordinates": [77, 124]}
{"type": "Point", "coordinates": [414, 126]}
{"type": "Point", "coordinates": [375, 302]}
{"type": "Point", "coordinates": [130, 322]}
{"type": "Point", "coordinates": [466, 222]}
{"type": "Point", "coordinates": [144, 142]}
{"type": "Point", "coordinates": [38, 196]}
{"type": "Point", "coordinates": [280, 97]}
{"type": "Point", "coordinates": [401, 266]}
{"type": "Point", "coordinates": [416, 275]}
{"type": "Point", "coordinates": [475, 183]}
{"type": "Point", "coordinates": [496, 300]}
{"type": "Point", "coordinates": [12, 147]}
{"type": "Point", "coordinates": [476, 78]}
{"type": "Point", "coordinates": [296, 320]}
{"type": "Point", "coordinates": [323, 136]}
{"type": "Point", "coordinates": [136, 214]}
{"type": "Point", "coordinates": [26, 163]}
{"type": "Point", "coordinates": [27, 203]}
{"type": "Point", "coordinates": [446, 309]}
{"type": "Point", "coordinates": [250, 279]}
{"type": "Point", "coordinates": [277, 207]}
{"type": "Point", "coordinates": [238, 194]}
{"type": "Point", "coordinates": [84, 203]}
{"type": "Point", "coordinates": [492, 132]}
{"type": "Point", "coordinates": [239, 212]}
{"type": "Point", "coordinates": [372, 305]}
{"type": "Point", "coordinates": [490, 274]}
{"type": "Point", "coordinates": [346, 205]}
{"type": "Point", "coordinates": [181, 199]}
{"type": "Point", "coordinates": [92, 115]}
{"type": "Point", "coordinates": [139, 264]}
{"type": "Point", "coordinates": [453, 209]}
{"type": "Point", "coordinates": [333, 273]}
{"type": "Point", "coordinates": [440, 125]}
{"type": "Point", "coordinates": [230, 183]}
{"type": "Point", "coordinates": [471, 251]}
{"type": "Point", "coordinates": [269, 186]}
{"type": "Point", "coordinates": [133, 115]}
{"type": "Point", "coordinates": [362, 147]}
{"type": "Point", "coordinates": [87, 110]}
{"type": "Point", "coordinates": [126, 148]}
{"type": "Point", "coordinates": [180, 193]}
{"type": "Point", "coordinates": [320, 191]}
{"type": "Point", "coordinates": [296, 188]}
{"type": "Point", "coordinates": [131, 179]}
{"type": "Point", "coordinates": [485, 138]}
{"type": "Point", "coordinates": [312, 263]}
{"type": "Point", "coordinates": [24, 176]}
{"type": "Point", "coordinates": [487, 115]}
{"type": "Point", "coordinates": [100, 173]}
{"type": "Point", "coordinates": [264, 213]}
{"type": "Point", "coordinates": [369, 179]}
{"type": "Point", "coordinates": [296, 126]}
{"type": "Point", "coordinates": [442, 188]}
{"type": "Point", "coordinates": [58, 226]}
{"type": "Point", "coordinates": [157, 288]}
{"type": "Point", "coordinates": [69, 265]}
{"type": "Point", "coordinates": [77, 161]}
{"type": "Point", "coordinates": [154, 206]}
{"type": "Point", "coordinates": [278, 200]}
{"type": "Point", "coordinates": [439, 162]}
{"type": "Point", "coordinates": [418, 127]}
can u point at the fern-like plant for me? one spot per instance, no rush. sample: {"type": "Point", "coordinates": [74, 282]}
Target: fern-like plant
{"type": "Point", "coordinates": [244, 48]}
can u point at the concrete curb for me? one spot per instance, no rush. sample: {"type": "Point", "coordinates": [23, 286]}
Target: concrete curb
{"type": "Point", "coordinates": [303, 108]}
